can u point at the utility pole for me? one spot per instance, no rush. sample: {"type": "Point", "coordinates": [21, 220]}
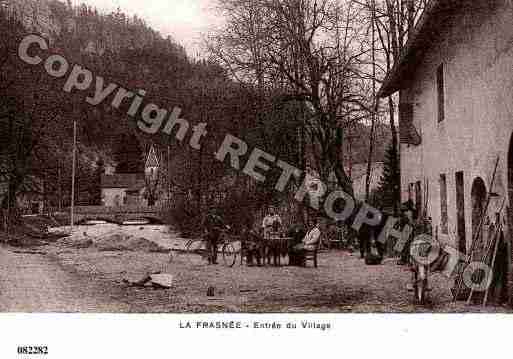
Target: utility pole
{"type": "Point", "coordinates": [8, 222]}
{"type": "Point", "coordinates": [169, 175]}
{"type": "Point", "coordinates": [60, 185]}
{"type": "Point", "coordinates": [73, 173]}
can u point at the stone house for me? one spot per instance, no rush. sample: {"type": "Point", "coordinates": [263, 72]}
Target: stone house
{"type": "Point", "coordinates": [359, 178]}
{"type": "Point", "coordinates": [455, 79]}
{"type": "Point", "coordinates": [131, 189]}
{"type": "Point", "coordinates": [122, 189]}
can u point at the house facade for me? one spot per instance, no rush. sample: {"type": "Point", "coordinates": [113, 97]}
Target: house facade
{"type": "Point", "coordinates": [359, 178]}
{"type": "Point", "coordinates": [455, 79]}
{"type": "Point", "coordinates": [123, 189]}
{"type": "Point", "coordinates": [131, 189]}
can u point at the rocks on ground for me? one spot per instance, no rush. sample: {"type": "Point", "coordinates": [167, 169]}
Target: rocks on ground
{"type": "Point", "coordinates": [114, 242]}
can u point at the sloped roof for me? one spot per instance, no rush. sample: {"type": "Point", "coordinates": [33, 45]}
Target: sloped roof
{"type": "Point", "coordinates": [132, 181]}
{"type": "Point", "coordinates": [152, 159]}
{"type": "Point", "coordinates": [434, 17]}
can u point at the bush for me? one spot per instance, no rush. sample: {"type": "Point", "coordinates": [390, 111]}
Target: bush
{"type": "Point", "coordinates": [184, 217]}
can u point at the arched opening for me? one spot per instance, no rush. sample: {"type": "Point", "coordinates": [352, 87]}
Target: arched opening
{"type": "Point", "coordinates": [478, 195]}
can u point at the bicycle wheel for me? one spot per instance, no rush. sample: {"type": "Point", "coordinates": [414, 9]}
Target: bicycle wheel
{"type": "Point", "coordinates": [420, 292]}
{"type": "Point", "coordinates": [229, 254]}
{"type": "Point", "coordinates": [196, 252]}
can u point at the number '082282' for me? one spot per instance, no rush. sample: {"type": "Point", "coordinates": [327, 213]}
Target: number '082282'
{"type": "Point", "coordinates": [33, 350]}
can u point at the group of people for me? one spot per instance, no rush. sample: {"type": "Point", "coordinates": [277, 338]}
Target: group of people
{"type": "Point", "coordinates": [373, 251]}
{"type": "Point", "coordinates": [271, 243]}
{"type": "Point", "coordinates": [277, 243]}
{"type": "Point", "coordinates": [274, 242]}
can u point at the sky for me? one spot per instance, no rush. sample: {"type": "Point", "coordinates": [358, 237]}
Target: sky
{"type": "Point", "coordinates": [184, 20]}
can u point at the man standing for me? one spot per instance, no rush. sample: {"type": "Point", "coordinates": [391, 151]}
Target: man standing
{"type": "Point", "coordinates": [213, 226]}
{"type": "Point", "coordinates": [271, 222]}
{"type": "Point", "coordinates": [406, 219]}
{"type": "Point", "coordinates": [271, 227]}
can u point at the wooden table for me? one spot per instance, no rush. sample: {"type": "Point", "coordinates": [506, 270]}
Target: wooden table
{"type": "Point", "coordinates": [278, 246]}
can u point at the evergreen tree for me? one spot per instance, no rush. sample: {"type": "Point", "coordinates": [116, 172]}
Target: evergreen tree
{"type": "Point", "coordinates": [96, 188]}
{"type": "Point", "coordinates": [388, 194]}
{"type": "Point", "coordinates": [129, 155]}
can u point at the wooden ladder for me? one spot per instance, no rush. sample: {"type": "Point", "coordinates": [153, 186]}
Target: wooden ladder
{"type": "Point", "coordinates": [488, 258]}
{"type": "Point", "coordinates": [475, 239]}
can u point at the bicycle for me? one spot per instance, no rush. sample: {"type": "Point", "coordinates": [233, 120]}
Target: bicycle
{"type": "Point", "coordinates": [425, 261]}
{"type": "Point", "coordinates": [197, 250]}
{"type": "Point", "coordinates": [228, 249]}
{"type": "Point", "coordinates": [420, 271]}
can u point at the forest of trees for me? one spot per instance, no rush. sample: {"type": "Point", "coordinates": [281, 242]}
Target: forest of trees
{"type": "Point", "coordinates": [284, 75]}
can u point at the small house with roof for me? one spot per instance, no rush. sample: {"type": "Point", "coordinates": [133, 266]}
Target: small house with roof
{"type": "Point", "coordinates": [130, 189]}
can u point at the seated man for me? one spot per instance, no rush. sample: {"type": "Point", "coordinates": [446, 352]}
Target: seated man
{"type": "Point", "coordinates": [309, 243]}
{"type": "Point", "coordinates": [295, 234]}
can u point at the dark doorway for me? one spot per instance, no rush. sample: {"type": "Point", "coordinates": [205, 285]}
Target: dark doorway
{"type": "Point", "coordinates": [510, 185]}
{"type": "Point", "coordinates": [460, 215]}
{"type": "Point", "coordinates": [418, 199]}
{"type": "Point", "coordinates": [478, 204]}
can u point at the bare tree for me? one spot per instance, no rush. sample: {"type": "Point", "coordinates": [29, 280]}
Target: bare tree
{"type": "Point", "coordinates": [393, 21]}
{"type": "Point", "coordinates": [312, 52]}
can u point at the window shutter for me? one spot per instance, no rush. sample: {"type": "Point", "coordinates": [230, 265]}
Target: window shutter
{"type": "Point", "coordinates": [407, 132]}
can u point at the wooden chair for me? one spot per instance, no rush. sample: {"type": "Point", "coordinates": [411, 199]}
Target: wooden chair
{"type": "Point", "coordinates": [334, 239]}
{"type": "Point", "coordinates": [312, 254]}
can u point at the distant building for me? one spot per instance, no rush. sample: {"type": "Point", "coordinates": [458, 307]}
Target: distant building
{"type": "Point", "coordinates": [359, 178]}
{"type": "Point", "coordinates": [120, 189]}
{"type": "Point", "coordinates": [129, 189]}
{"type": "Point", "coordinates": [30, 198]}
{"type": "Point", "coordinates": [152, 164]}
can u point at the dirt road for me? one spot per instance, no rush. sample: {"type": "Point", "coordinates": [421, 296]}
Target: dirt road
{"type": "Point", "coordinates": [31, 281]}
{"type": "Point", "coordinates": [60, 278]}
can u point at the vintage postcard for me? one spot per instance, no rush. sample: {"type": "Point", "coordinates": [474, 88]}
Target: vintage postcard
{"type": "Point", "coordinates": [254, 166]}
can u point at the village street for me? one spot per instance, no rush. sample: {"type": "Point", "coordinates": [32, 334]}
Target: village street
{"type": "Point", "coordinates": [61, 277]}
{"type": "Point", "coordinates": [32, 283]}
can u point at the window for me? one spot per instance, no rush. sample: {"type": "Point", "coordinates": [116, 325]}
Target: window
{"type": "Point", "coordinates": [440, 92]}
{"type": "Point", "coordinates": [443, 204]}
{"type": "Point", "coordinates": [460, 212]}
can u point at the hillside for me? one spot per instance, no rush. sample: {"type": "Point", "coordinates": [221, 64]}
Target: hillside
{"type": "Point", "coordinates": [126, 51]}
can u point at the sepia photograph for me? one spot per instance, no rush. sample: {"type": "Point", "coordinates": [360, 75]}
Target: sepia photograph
{"type": "Point", "coordinates": [256, 157]}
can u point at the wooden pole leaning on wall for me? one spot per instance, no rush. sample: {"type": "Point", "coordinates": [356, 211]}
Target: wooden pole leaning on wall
{"type": "Point", "coordinates": [73, 174]}
{"type": "Point", "coordinates": [459, 278]}
{"type": "Point", "coordinates": [495, 242]}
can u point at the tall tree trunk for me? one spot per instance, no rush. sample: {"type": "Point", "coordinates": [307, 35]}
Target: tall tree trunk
{"type": "Point", "coordinates": [374, 102]}
{"type": "Point", "coordinates": [410, 8]}
{"type": "Point", "coordinates": [338, 159]}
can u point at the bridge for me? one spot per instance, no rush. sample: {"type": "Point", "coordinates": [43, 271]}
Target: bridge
{"type": "Point", "coordinates": [118, 214]}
